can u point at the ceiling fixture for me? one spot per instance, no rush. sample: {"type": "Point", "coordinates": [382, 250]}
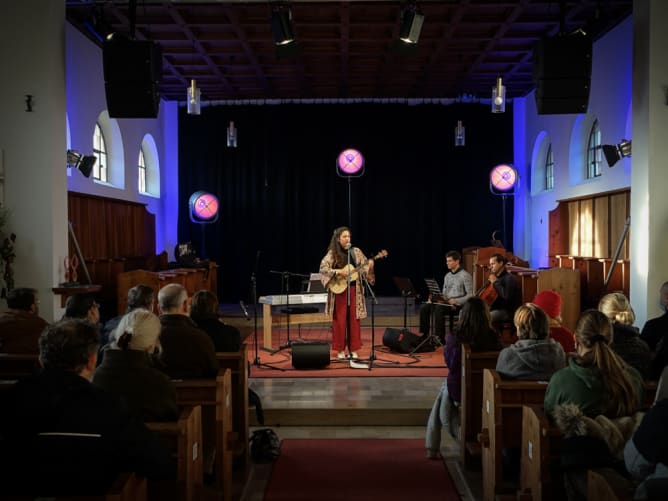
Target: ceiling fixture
{"type": "Point", "coordinates": [231, 135]}
{"type": "Point", "coordinates": [83, 163]}
{"type": "Point", "coordinates": [499, 97]}
{"type": "Point", "coordinates": [281, 27]}
{"type": "Point", "coordinates": [460, 134]}
{"type": "Point", "coordinates": [615, 152]}
{"type": "Point", "coordinates": [411, 24]}
{"type": "Point", "coordinates": [194, 95]}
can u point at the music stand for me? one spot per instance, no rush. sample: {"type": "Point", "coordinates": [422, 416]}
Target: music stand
{"type": "Point", "coordinates": [438, 299]}
{"type": "Point", "coordinates": [407, 290]}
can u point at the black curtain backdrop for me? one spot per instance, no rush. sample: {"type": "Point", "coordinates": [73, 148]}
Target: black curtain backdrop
{"type": "Point", "coordinates": [281, 197]}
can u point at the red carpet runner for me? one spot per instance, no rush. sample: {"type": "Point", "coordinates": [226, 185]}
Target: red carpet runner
{"type": "Point", "coordinates": [358, 469]}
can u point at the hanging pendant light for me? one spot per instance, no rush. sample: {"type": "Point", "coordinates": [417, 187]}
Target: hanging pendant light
{"type": "Point", "coordinates": [460, 134]}
{"type": "Point", "coordinates": [499, 97]}
{"type": "Point", "coordinates": [193, 98]}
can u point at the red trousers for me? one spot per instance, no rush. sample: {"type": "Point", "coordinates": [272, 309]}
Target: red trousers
{"type": "Point", "coordinates": [339, 322]}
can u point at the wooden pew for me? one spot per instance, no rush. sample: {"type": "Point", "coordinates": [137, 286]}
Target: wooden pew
{"type": "Point", "coordinates": [502, 403]}
{"type": "Point", "coordinates": [237, 362]}
{"type": "Point", "coordinates": [184, 438]}
{"type": "Point", "coordinates": [473, 365]}
{"type": "Point", "coordinates": [218, 440]}
{"type": "Point", "coordinates": [15, 366]}
{"type": "Point", "coordinates": [126, 487]}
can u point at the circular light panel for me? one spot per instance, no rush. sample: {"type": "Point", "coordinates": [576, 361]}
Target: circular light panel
{"type": "Point", "coordinates": [203, 207]}
{"type": "Point", "coordinates": [503, 177]}
{"type": "Point", "coordinates": [350, 162]}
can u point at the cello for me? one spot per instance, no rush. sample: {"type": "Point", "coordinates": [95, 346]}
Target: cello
{"type": "Point", "coordinates": [488, 293]}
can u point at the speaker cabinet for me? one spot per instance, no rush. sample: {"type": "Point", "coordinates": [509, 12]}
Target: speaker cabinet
{"type": "Point", "coordinates": [310, 355]}
{"type": "Point", "coordinates": [562, 74]}
{"type": "Point", "coordinates": [132, 74]}
{"type": "Point", "coordinates": [401, 340]}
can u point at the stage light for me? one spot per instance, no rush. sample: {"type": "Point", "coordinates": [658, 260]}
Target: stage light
{"type": "Point", "coordinates": [350, 163]}
{"type": "Point", "coordinates": [460, 134]}
{"type": "Point", "coordinates": [614, 153]}
{"type": "Point", "coordinates": [231, 135]}
{"type": "Point", "coordinates": [411, 25]}
{"type": "Point", "coordinates": [499, 97]}
{"type": "Point", "coordinates": [502, 179]}
{"type": "Point", "coordinates": [281, 27]}
{"type": "Point", "coordinates": [193, 98]}
{"type": "Point", "coordinates": [83, 163]}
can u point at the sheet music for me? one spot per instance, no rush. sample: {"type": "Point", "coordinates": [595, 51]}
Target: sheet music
{"type": "Point", "coordinates": [434, 290]}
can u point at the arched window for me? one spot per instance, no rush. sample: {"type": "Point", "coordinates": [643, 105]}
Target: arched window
{"type": "Point", "coordinates": [141, 172]}
{"type": "Point", "coordinates": [549, 169]}
{"type": "Point", "coordinates": [100, 151]}
{"type": "Point", "coordinates": [594, 152]}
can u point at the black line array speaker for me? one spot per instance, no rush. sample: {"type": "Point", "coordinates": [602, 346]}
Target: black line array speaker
{"type": "Point", "coordinates": [310, 355]}
{"type": "Point", "coordinates": [562, 74]}
{"type": "Point", "coordinates": [132, 74]}
{"type": "Point", "coordinates": [401, 340]}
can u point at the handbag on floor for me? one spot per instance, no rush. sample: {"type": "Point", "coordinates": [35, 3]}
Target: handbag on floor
{"type": "Point", "coordinates": [265, 446]}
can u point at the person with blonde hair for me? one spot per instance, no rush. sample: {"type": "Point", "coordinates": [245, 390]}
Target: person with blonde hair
{"type": "Point", "coordinates": [597, 380]}
{"type": "Point", "coordinates": [626, 338]}
{"type": "Point", "coordinates": [127, 369]}
{"type": "Point", "coordinates": [534, 356]}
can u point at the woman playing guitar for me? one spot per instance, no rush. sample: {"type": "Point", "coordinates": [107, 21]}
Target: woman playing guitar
{"type": "Point", "coordinates": [334, 269]}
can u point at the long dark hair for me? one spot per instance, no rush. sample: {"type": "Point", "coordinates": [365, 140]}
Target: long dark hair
{"type": "Point", "coordinates": [474, 324]}
{"type": "Point", "coordinates": [340, 257]}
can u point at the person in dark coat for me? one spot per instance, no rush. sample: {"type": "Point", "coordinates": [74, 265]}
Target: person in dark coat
{"type": "Point", "coordinates": [60, 435]}
{"type": "Point", "coordinates": [204, 312]}
{"type": "Point", "coordinates": [21, 325]}
{"type": "Point", "coordinates": [127, 369]}
{"type": "Point", "coordinates": [655, 334]}
{"type": "Point", "coordinates": [626, 340]}
{"type": "Point", "coordinates": [187, 352]}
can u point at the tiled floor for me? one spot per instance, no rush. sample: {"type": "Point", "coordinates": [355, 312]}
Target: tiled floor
{"type": "Point", "coordinates": [359, 393]}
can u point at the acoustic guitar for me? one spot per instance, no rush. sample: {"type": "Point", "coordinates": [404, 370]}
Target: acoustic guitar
{"type": "Point", "coordinates": [339, 283]}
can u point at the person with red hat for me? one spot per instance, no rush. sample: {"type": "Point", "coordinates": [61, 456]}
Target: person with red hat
{"type": "Point", "coordinates": [550, 302]}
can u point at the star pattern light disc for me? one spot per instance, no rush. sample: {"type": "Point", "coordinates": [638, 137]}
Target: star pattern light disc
{"type": "Point", "coordinates": [350, 162]}
{"type": "Point", "coordinates": [503, 177]}
{"type": "Point", "coordinates": [204, 207]}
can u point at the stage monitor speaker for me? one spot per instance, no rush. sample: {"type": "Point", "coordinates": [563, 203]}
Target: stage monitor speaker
{"type": "Point", "coordinates": [401, 340]}
{"type": "Point", "coordinates": [310, 355]}
{"type": "Point", "coordinates": [562, 74]}
{"type": "Point", "coordinates": [132, 74]}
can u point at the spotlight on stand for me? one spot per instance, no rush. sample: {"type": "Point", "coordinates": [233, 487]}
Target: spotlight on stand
{"type": "Point", "coordinates": [499, 97]}
{"type": "Point", "coordinates": [614, 153]}
{"type": "Point", "coordinates": [411, 25]}
{"type": "Point", "coordinates": [83, 163]}
{"type": "Point", "coordinates": [350, 163]}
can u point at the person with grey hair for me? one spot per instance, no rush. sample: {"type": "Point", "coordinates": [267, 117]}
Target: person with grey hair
{"type": "Point", "coordinates": [187, 352]}
{"type": "Point", "coordinates": [127, 369]}
{"type": "Point", "coordinates": [21, 325]}
{"type": "Point", "coordinates": [58, 428]}
{"type": "Point", "coordinates": [139, 296]}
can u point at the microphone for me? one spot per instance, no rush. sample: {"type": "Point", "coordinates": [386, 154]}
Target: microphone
{"type": "Point", "coordinates": [348, 246]}
{"type": "Point", "coordinates": [244, 309]}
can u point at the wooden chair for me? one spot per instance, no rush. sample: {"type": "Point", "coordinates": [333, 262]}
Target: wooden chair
{"type": "Point", "coordinates": [237, 362]}
{"type": "Point", "coordinates": [502, 402]}
{"type": "Point", "coordinates": [215, 397]}
{"type": "Point", "coordinates": [16, 366]}
{"type": "Point", "coordinates": [473, 365]}
{"type": "Point", "coordinates": [184, 438]}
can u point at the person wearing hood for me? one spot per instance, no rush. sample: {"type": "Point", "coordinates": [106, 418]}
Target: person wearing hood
{"type": "Point", "coordinates": [535, 356]}
{"type": "Point", "coordinates": [626, 340]}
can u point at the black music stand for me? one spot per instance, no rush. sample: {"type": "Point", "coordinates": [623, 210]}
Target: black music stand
{"type": "Point", "coordinates": [438, 299]}
{"type": "Point", "coordinates": [407, 290]}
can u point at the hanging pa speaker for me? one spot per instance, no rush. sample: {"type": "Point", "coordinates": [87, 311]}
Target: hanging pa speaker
{"type": "Point", "coordinates": [401, 340]}
{"type": "Point", "coordinates": [562, 74]}
{"type": "Point", "coordinates": [132, 74]}
{"type": "Point", "coordinates": [310, 355]}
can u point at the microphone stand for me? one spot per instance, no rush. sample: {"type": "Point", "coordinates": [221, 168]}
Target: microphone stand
{"type": "Point", "coordinates": [347, 340]}
{"type": "Point", "coordinates": [374, 301]}
{"type": "Point", "coordinates": [256, 361]}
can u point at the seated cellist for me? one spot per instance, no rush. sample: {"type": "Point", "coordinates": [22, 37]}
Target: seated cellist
{"type": "Point", "coordinates": [501, 291]}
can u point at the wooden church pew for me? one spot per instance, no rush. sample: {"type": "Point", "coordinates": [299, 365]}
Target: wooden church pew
{"type": "Point", "coordinates": [16, 366]}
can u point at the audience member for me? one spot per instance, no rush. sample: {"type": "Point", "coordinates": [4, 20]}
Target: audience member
{"type": "Point", "coordinates": [187, 352]}
{"type": "Point", "coordinates": [82, 306]}
{"type": "Point", "coordinates": [655, 334]}
{"type": "Point", "coordinates": [204, 312]}
{"type": "Point", "coordinates": [475, 328]}
{"type": "Point", "coordinates": [21, 325]}
{"type": "Point", "coordinates": [626, 339]}
{"type": "Point", "coordinates": [534, 356]}
{"type": "Point", "coordinates": [127, 370]}
{"type": "Point", "coordinates": [457, 287]}
{"type": "Point", "coordinates": [646, 454]}
{"type": "Point", "coordinates": [596, 379]}
{"type": "Point", "coordinates": [139, 296]}
{"type": "Point", "coordinates": [550, 302]}
{"type": "Point", "coordinates": [64, 436]}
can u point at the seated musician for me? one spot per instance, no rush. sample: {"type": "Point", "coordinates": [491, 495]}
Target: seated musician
{"type": "Point", "coordinates": [502, 292]}
{"type": "Point", "coordinates": [457, 288]}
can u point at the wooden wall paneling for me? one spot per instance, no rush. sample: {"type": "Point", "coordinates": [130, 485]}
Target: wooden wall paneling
{"type": "Point", "coordinates": [601, 228]}
{"type": "Point", "coordinates": [586, 228]}
{"type": "Point", "coordinates": [567, 284]}
{"type": "Point", "coordinates": [619, 211]}
{"type": "Point", "coordinates": [558, 230]}
{"type": "Point", "coordinates": [574, 228]}
{"type": "Point", "coordinates": [591, 281]}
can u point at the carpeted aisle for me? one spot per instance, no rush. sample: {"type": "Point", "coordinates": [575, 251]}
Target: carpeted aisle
{"type": "Point", "coordinates": [358, 469]}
